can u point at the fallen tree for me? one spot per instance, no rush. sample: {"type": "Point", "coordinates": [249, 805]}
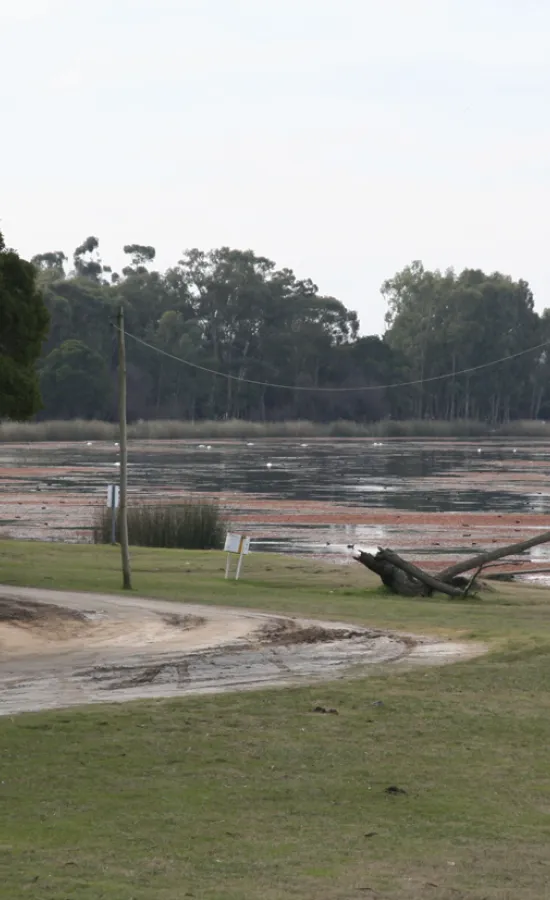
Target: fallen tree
{"type": "Point", "coordinates": [403, 577]}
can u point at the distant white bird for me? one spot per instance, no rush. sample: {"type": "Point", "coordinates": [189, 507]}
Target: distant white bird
{"type": "Point", "coordinates": [208, 447]}
{"type": "Point", "coordinates": [89, 444]}
{"type": "Point", "coordinates": [117, 464]}
{"type": "Point", "coordinates": [116, 444]}
{"type": "Point", "coordinates": [479, 449]}
{"type": "Point", "coordinates": [514, 450]}
{"type": "Point", "coordinates": [303, 445]}
{"type": "Point", "coordinates": [201, 446]}
{"type": "Point", "coordinates": [250, 444]}
{"type": "Point", "coordinates": [269, 465]}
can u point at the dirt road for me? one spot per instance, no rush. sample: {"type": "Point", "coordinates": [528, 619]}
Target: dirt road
{"type": "Point", "coordinates": [61, 649]}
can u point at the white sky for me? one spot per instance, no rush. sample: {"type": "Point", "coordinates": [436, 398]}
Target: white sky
{"type": "Point", "coordinates": [341, 138]}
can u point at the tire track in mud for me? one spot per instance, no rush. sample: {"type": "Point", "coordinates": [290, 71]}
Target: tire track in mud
{"type": "Point", "coordinates": [60, 649]}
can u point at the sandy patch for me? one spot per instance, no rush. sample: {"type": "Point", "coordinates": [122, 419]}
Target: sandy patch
{"type": "Point", "coordinates": [61, 649]}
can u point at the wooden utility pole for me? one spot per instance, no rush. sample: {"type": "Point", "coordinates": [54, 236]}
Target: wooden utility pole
{"type": "Point", "coordinates": [123, 510]}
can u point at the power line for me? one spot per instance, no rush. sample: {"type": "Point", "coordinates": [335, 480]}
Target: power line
{"type": "Point", "coordinates": [336, 390]}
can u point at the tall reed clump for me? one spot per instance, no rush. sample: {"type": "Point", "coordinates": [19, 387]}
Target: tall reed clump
{"type": "Point", "coordinates": [193, 525]}
{"type": "Point", "coordinates": [58, 430]}
{"type": "Point", "coordinates": [432, 428]}
{"type": "Point", "coordinates": [76, 430]}
{"type": "Point", "coordinates": [226, 429]}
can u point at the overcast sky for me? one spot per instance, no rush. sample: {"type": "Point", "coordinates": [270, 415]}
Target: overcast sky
{"type": "Point", "coordinates": [341, 138]}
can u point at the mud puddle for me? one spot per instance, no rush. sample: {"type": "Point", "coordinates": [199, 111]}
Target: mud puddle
{"type": "Point", "coordinates": [61, 649]}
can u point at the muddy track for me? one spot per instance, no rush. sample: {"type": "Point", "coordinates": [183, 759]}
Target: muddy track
{"type": "Point", "coordinates": [61, 649]}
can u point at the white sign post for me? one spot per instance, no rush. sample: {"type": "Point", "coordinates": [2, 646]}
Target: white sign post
{"type": "Point", "coordinates": [236, 543]}
{"type": "Point", "coordinates": [113, 502]}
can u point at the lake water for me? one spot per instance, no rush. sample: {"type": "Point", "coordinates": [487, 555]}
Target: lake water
{"type": "Point", "coordinates": [300, 495]}
{"type": "Point", "coordinates": [401, 475]}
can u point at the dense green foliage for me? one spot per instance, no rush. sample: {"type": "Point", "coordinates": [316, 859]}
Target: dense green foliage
{"type": "Point", "coordinates": [74, 377]}
{"type": "Point", "coordinates": [194, 525]}
{"type": "Point", "coordinates": [444, 323]}
{"type": "Point", "coordinates": [235, 312]}
{"type": "Point", "coordinates": [23, 327]}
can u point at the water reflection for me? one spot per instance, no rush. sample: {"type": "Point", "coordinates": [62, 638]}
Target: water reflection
{"type": "Point", "coordinates": [405, 475]}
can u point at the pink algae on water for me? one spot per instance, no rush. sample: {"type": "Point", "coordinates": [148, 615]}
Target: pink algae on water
{"type": "Point", "coordinates": [60, 502]}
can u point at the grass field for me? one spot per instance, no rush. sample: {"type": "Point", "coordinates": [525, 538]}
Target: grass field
{"type": "Point", "coordinates": [255, 796]}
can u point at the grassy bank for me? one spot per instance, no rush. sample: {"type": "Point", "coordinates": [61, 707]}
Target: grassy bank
{"type": "Point", "coordinates": [254, 796]}
{"type": "Point", "coordinates": [280, 584]}
{"type": "Point", "coordinates": [78, 430]}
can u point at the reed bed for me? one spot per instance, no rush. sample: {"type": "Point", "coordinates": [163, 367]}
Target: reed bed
{"type": "Point", "coordinates": [193, 525]}
{"type": "Point", "coordinates": [76, 430]}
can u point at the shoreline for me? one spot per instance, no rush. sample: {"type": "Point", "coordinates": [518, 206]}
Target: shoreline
{"type": "Point", "coordinates": [75, 430]}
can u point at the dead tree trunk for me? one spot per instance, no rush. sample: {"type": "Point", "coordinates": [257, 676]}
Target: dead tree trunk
{"type": "Point", "coordinates": [429, 581]}
{"type": "Point", "coordinates": [393, 578]}
{"type": "Point", "coordinates": [404, 578]}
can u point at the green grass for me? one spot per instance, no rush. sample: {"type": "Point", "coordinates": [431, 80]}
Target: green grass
{"type": "Point", "coordinates": [235, 429]}
{"type": "Point", "coordinates": [281, 584]}
{"type": "Point", "coordinates": [252, 795]}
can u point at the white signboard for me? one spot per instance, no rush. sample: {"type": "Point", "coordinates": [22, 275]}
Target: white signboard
{"type": "Point", "coordinates": [113, 496]}
{"type": "Point", "coordinates": [236, 543]}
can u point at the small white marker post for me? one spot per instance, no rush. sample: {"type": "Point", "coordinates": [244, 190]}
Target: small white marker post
{"type": "Point", "coordinates": [113, 502]}
{"type": "Point", "coordinates": [236, 543]}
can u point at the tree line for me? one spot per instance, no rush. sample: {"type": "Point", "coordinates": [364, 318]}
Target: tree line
{"type": "Point", "coordinates": [235, 312]}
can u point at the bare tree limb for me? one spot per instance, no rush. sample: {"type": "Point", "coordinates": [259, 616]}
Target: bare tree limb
{"type": "Point", "coordinates": [474, 561]}
{"type": "Point", "coordinates": [472, 581]}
